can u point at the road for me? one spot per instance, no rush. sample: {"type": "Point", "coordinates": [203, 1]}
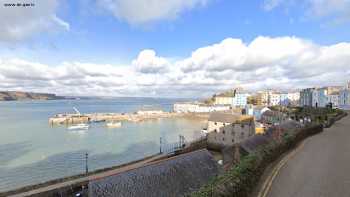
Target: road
{"type": "Point", "coordinates": [320, 168]}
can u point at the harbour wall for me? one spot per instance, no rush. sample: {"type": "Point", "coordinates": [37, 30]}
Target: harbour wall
{"type": "Point", "coordinates": [109, 117]}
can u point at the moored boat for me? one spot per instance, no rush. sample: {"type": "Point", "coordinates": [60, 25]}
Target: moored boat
{"type": "Point", "coordinates": [114, 124]}
{"type": "Point", "coordinates": [79, 127]}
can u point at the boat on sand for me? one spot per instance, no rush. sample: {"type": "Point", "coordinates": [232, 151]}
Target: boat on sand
{"type": "Point", "coordinates": [114, 124]}
{"type": "Point", "coordinates": [79, 127]}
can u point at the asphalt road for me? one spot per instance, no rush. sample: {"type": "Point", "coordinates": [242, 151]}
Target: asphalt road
{"type": "Point", "coordinates": [320, 169]}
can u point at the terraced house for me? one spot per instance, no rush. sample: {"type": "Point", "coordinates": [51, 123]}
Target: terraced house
{"type": "Point", "coordinates": [344, 98]}
{"type": "Point", "coordinates": [225, 129]}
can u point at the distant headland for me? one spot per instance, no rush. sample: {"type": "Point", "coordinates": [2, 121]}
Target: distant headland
{"type": "Point", "coordinates": [18, 96]}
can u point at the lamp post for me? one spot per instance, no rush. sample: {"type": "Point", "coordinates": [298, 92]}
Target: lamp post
{"type": "Point", "coordinates": [160, 145]}
{"type": "Point", "coordinates": [86, 163]}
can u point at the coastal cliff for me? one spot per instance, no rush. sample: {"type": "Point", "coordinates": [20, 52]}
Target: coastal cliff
{"type": "Point", "coordinates": [15, 95]}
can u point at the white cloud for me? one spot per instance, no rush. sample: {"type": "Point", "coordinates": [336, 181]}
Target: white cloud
{"type": "Point", "coordinates": [281, 62]}
{"type": "Point", "coordinates": [138, 12]}
{"type": "Point", "coordinates": [337, 11]}
{"type": "Point", "coordinates": [148, 62]}
{"type": "Point", "coordinates": [18, 22]}
{"type": "Point", "coordinates": [271, 4]}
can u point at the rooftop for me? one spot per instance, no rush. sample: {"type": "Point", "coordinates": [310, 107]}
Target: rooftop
{"type": "Point", "coordinates": [229, 118]}
{"type": "Point", "coordinates": [176, 176]}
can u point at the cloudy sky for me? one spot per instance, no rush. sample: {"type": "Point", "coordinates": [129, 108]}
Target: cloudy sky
{"type": "Point", "coordinates": [172, 48]}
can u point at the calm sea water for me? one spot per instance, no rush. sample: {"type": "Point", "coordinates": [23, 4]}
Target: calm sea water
{"type": "Point", "coordinates": [32, 151]}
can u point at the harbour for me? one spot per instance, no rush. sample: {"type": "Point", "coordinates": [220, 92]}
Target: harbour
{"type": "Point", "coordinates": [107, 117]}
{"type": "Point", "coordinates": [34, 151]}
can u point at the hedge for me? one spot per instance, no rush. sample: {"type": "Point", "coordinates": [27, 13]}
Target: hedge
{"type": "Point", "coordinates": [241, 179]}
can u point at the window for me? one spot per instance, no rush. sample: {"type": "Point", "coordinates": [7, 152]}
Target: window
{"type": "Point", "coordinates": [216, 123]}
{"type": "Point", "coordinates": [223, 139]}
{"type": "Point", "coordinates": [223, 131]}
{"type": "Point", "coordinates": [242, 125]}
{"type": "Point", "coordinates": [215, 130]}
{"type": "Point", "coordinates": [233, 140]}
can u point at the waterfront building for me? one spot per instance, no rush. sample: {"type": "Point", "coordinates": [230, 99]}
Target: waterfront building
{"type": "Point", "coordinates": [235, 98]}
{"type": "Point", "coordinates": [224, 100]}
{"type": "Point", "coordinates": [256, 111]}
{"type": "Point", "coordinates": [254, 99]}
{"type": "Point", "coordinates": [149, 112]}
{"type": "Point", "coordinates": [293, 98]}
{"type": "Point", "coordinates": [274, 99]}
{"type": "Point", "coordinates": [263, 97]}
{"type": "Point", "coordinates": [320, 97]}
{"type": "Point", "coordinates": [225, 129]}
{"type": "Point", "coordinates": [333, 99]}
{"type": "Point", "coordinates": [240, 100]}
{"type": "Point", "coordinates": [344, 98]}
{"type": "Point", "coordinates": [284, 99]}
{"type": "Point", "coordinates": [198, 108]}
{"type": "Point", "coordinates": [306, 97]}
{"type": "Point", "coordinates": [273, 117]}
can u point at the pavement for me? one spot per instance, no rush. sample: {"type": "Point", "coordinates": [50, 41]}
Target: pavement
{"type": "Point", "coordinates": [319, 167]}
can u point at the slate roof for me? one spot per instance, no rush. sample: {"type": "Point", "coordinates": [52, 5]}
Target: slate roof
{"type": "Point", "coordinates": [229, 118]}
{"type": "Point", "coordinates": [173, 177]}
{"type": "Point", "coordinates": [271, 113]}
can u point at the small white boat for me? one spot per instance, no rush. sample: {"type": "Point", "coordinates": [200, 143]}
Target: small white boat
{"type": "Point", "coordinates": [114, 124]}
{"type": "Point", "coordinates": [205, 131]}
{"type": "Point", "coordinates": [79, 127]}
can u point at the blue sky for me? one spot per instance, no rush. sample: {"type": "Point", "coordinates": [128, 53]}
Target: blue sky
{"type": "Point", "coordinates": [115, 32]}
{"type": "Point", "coordinates": [99, 37]}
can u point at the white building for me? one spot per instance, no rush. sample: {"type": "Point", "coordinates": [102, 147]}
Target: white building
{"type": "Point", "coordinates": [224, 100]}
{"type": "Point", "coordinates": [344, 98]}
{"type": "Point", "coordinates": [274, 99]}
{"type": "Point", "coordinates": [226, 129]}
{"type": "Point", "coordinates": [293, 98]}
{"type": "Point", "coordinates": [256, 111]}
{"type": "Point", "coordinates": [263, 96]}
{"type": "Point", "coordinates": [240, 100]}
{"type": "Point", "coordinates": [149, 112]}
{"type": "Point", "coordinates": [320, 97]}
{"type": "Point", "coordinates": [334, 99]}
{"type": "Point", "coordinates": [198, 108]}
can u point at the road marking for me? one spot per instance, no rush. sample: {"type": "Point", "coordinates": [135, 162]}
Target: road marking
{"type": "Point", "coordinates": [268, 182]}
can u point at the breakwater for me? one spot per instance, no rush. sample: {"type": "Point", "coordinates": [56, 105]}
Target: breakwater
{"type": "Point", "coordinates": [105, 117]}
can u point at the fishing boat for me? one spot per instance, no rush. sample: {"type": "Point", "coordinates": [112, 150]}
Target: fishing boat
{"type": "Point", "coordinates": [79, 127]}
{"type": "Point", "coordinates": [114, 124]}
{"type": "Point", "coordinates": [97, 121]}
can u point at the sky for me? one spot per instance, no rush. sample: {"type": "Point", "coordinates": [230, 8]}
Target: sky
{"type": "Point", "coordinates": [172, 48]}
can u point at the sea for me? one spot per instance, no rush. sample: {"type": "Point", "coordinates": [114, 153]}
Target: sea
{"type": "Point", "coordinates": [32, 151]}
